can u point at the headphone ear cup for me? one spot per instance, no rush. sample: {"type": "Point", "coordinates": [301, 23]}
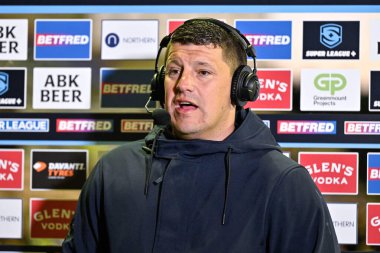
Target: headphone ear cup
{"type": "Point", "coordinates": [157, 86]}
{"type": "Point", "coordinates": [245, 86]}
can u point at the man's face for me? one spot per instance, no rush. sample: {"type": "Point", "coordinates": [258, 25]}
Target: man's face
{"type": "Point", "coordinates": [197, 92]}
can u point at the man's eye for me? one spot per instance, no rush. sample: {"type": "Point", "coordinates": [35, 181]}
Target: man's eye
{"type": "Point", "coordinates": [204, 72]}
{"type": "Point", "coordinates": [173, 72]}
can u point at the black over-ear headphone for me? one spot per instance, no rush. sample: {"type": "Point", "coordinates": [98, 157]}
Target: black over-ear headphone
{"type": "Point", "coordinates": [245, 84]}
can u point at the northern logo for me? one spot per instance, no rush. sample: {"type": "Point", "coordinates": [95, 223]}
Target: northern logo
{"type": "Point", "coordinates": [333, 172]}
{"type": "Point", "coordinates": [129, 39]}
{"type": "Point", "coordinates": [65, 39]}
{"type": "Point", "coordinates": [271, 39]}
{"type": "Point", "coordinates": [11, 218]}
{"type": "Point", "coordinates": [13, 39]}
{"type": "Point", "coordinates": [345, 219]}
{"type": "Point", "coordinates": [12, 88]}
{"type": "Point", "coordinates": [58, 169]}
{"type": "Point", "coordinates": [331, 40]}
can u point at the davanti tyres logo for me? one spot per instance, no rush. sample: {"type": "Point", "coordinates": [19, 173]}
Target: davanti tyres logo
{"type": "Point", "coordinates": [333, 172]}
{"type": "Point", "coordinates": [306, 127]}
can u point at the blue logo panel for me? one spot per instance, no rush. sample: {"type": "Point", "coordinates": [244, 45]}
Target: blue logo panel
{"type": "Point", "coordinates": [63, 39]}
{"type": "Point", "coordinates": [4, 83]}
{"type": "Point", "coordinates": [373, 168]}
{"type": "Point", "coordinates": [271, 39]}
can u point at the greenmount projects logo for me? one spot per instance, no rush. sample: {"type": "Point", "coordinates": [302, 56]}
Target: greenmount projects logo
{"type": "Point", "coordinates": [330, 90]}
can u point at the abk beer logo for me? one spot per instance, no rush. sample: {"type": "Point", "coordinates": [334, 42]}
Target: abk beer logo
{"type": "Point", "coordinates": [333, 172]}
{"type": "Point", "coordinates": [12, 88]}
{"type": "Point", "coordinates": [50, 218]}
{"type": "Point", "coordinates": [345, 220]}
{"type": "Point", "coordinates": [275, 90]}
{"type": "Point", "coordinates": [24, 125]}
{"type": "Point", "coordinates": [65, 39]}
{"type": "Point", "coordinates": [58, 169]}
{"type": "Point", "coordinates": [11, 169]}
{"type": "Point", "coordinates": [84, 125]}
{"type": "Point", "coordinates": [306, 127]}
{"type": "Point", "coordinates": [136, 125]}
{"type": "Point", "coordinates": [373, 173]}
{"type": "Point", "coordinates": [122, 88]}
{"type": "Point", "coordinates": [362, 127]}
{"type": "Point", "coordinates": [375, 40]}
{"type": "Point", "coordinates": [173, 24]}
{"type": "Point", "coordinates": [271, 39]}
{"type": "Point", "coordinates": [129, 39]}
{"type": "Point", "coordinates": [62, 88]}
{"type": "Point", "coordinates": [373, 224]}
{"type": "Point", "coordinates": [13, 39]}
{"type": "Point", "coordinates": [330, 90]}
{"type": "Point", "coordinates": [331, 40]}
{"type": "Point", "coordinates": [11, 218]}
{"type": "Point", "coordinates": [374, 91]}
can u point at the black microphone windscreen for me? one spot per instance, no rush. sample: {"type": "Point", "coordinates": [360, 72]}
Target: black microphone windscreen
{"type": "Point", "coordinates": [160, 117]}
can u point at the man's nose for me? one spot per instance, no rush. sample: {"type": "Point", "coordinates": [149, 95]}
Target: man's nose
{"type": "Point", "coordinates": [185, 81]}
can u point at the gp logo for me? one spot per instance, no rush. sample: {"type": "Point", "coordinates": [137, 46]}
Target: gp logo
{"type": "Point", "coordinates": [4, 83]}
{"type": "Point", "coordinates": [331, 35]}
{"type": "Point", "coordinates": [330, 82]}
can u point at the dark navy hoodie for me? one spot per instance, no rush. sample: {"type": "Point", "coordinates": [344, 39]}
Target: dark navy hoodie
{"type": "Point", "coordinates": [163, 195]}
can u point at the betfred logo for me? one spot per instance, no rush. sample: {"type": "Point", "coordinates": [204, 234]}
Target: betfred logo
{"type": "Point", "coordinates": [66, 39]}
{"type": "Point", "coordinates": [306, 127]}
{"type": "Point", "coordinates": [362, 127]}
{"type": "Point", "coordinates": [83, 125]}
{"type": "Point", "coordinates": [373, 173]}
{"type": "Point", "coordinates": [333, 172]}
{"type": "Point", "coordinates": [58, 169]}
{"type": "Point", "coordinates": [13, 39]}
{"type": "Point", "coordinates": [271, 39]}
{"type": "Point", "coordinates": [61, 88]}
{"type": "Point", "coordinates": [276, 88]}
{"type": "Point", "coordinates": [11, 169]}
{"type": "Point", "coordinates": [136, 125]}
{"type": "Point", "coordinates": [374, 91]}
{"type": "Point", "coordinates": [123, 88]}
{"type": "Point", "coordinates": [373, 223]}
{"type": "Point", "coordinates": [51, 218]}
{"type": "Point", "coordinates": [12, 88]}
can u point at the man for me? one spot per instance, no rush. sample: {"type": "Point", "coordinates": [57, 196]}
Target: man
{"type": "Point", "coordinates": [214, 180]}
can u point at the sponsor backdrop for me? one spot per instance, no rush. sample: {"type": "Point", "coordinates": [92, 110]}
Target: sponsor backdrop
{"type": "Point", "coordinates": [74, 82]}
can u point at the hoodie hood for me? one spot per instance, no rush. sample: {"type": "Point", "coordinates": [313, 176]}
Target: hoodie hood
{"type": "Point", "coordinates": [250, 134]}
